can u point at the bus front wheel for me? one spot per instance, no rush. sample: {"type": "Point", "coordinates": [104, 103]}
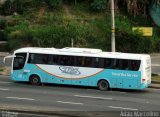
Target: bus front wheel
{"type": "Point", "coordinates": [35, 80]}
{"type": "Point", "coordinates": [103, 85]}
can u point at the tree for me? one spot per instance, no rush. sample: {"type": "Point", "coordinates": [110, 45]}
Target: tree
{"type": "Point", "coordinates": [7, 8]}
{"type": "Point", "coordinates": [53, 4]}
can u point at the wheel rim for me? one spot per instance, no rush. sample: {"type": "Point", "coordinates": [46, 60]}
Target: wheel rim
{"type": "Point", "coordinates": [103, 85]}
{"type": "Point", "coordinates": [35, 80]}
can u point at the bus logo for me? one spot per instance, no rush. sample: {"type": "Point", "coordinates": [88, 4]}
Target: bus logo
{"type": "Point", "coordinates": [69, 70]}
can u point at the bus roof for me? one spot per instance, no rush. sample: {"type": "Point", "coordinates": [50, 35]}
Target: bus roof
{"type": "Point", "coordinates": [81, 52]}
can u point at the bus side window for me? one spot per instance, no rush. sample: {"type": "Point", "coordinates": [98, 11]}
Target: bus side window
{"type": "Point", "coordinates": [96, 62]}
{"type": "Point", "coordinates": [41, 58]}
{"type": "Point", "coordinates": [71, 61]}
{"type": "Point", "coordinates": [79, 61]}
{"type": "Point", "coordinates": [101, 62]}
{"type": "Point", "coordinates": [67, 60]}
{"type": "Point", "coordinates": [62, 60]}
{"type": "Point", "coordinates": [108, 63]}
{"type": "Point", "coordinates": [122, 64]}
{"type": "Point", "coordinates": [125, 64]}
{"type": "Point", "coordinates": [88, 62]}
{"type": "Point", "coordinates": [135, 64]}
{"type": "Point", "coordinates": [31, 58]}
{"type": "Point", "coordinates": [54, 59]}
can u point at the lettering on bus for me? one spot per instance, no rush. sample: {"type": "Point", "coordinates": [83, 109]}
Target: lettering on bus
{"type": "Point", "coordinates": [124, 74]}
{"type": "Point", "coordinates": [70, 70]}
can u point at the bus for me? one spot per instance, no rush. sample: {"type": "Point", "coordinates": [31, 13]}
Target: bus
{"type": "Point", "coordinates": [81, 66]}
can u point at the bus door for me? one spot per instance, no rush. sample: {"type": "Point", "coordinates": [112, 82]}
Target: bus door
{"type": "Point", "coordinates": [18, 67]}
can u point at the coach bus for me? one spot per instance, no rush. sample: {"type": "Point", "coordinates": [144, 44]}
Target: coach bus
{"type": "Point", "coordinates": [81, 66]}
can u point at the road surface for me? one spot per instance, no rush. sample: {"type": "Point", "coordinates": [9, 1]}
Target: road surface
{"type": "Point", "coordinates": [155, 60]}
{"type": "Point", "coordinates": [58, 98]}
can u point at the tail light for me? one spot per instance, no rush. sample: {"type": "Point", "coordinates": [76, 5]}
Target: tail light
{"type": "Point", "coordinates": [143, 80]}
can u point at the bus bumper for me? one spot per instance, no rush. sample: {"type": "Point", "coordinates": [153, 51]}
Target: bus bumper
{"type": "Point", "coordinates": [144, 85]}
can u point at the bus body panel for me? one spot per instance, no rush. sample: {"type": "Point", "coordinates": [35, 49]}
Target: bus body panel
{"type": "Point", "coordinates": [116, 78]}
{"type": "Point", "coordinates": [146, 71]}
{"type": "Point", "coordinates": [87, 76]}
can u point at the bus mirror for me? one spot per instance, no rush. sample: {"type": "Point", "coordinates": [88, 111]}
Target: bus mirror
{"type": "Point", "coordinates": [6, 57]}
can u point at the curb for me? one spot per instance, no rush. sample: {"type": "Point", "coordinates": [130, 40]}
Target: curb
{"type": "Point", "coordinates": [3, 54]}
{"type": "Point", "coordinates": [38, 112]}
{"type": "Point", "coordinates": [154, 86]}
{"type": "Point", "coordinates": [155, 82]}
{"type": "Point", "coordinates": [64, 113]}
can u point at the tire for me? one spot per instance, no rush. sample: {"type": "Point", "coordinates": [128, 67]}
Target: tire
{"type": "Point", "coordinates": [35, 80]}
{"type": "Point", "coordinates": [103, 85]}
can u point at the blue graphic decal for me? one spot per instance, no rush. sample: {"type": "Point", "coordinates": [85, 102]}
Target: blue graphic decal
{"type": "Point", "coordinates": [69, 70]}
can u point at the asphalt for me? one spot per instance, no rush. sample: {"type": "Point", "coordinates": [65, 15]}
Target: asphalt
{"type": "Point", "coordinates": [54, 100]}
{"type": "Point", "coordinates": [60, 100]}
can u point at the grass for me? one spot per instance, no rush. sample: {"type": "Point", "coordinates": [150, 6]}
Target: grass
{"type": "Point", "coordinates": [156, 77]}
{"type": "Point", "coordinates": [1, 69]}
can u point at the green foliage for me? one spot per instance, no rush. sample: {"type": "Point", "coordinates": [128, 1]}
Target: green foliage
{"type": "Point", "coordinates": [11, 6]}
{"type": "Point", "coordinates": [128, 42]}
{"type": "Point", "coordinates": [7, 8]}
{"type": "Point", "coordinates": [53, 4]}
{"type": "Point", "coordinates": [157, 46]}
{"type": "Point", "coordinates": [46, 36]}
{"type": "Point", "coordinates": [2, 36]}
{"type": "Point", "coordinates": [55, 28]}
{"type": "Point", "coordinates": [2, 24]}
{"type": "Point", "coordinates": [99, 5]}
{"type": "Point", "coordinates": [156, 78]}
{"type": "Point", "coordinates": [37, 3]}
{"type": "Point", "coordinates": [1, 69]}
{"type": "Point", "coordinates": [18, 36]}
{"type": "Point", "coordinates": [58, 36]}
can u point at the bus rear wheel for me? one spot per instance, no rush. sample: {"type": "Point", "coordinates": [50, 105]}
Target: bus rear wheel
{"type": "Point", "coordinates": [103, 85]}
{"type": "Point", "coordinates": [35, 80]}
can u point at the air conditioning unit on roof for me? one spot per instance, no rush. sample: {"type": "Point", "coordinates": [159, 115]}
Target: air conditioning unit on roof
{"type": "Point", "coordinates": [81, 50]}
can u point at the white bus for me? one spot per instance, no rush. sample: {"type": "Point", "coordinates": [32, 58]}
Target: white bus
{"type": "Point", "coordinates": [81, 66]}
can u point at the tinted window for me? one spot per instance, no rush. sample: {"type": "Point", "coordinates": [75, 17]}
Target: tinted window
{"type": "Point", "coordinates": [66, 60]}
{"type": "Point", "coordinates": [38, 58]}
{"type": "Point", "coordinates": [88, 62]}
{"type": "Point", "coordinates": [122, 64]}
{"type": "Point", "coordinates": [108, 63]}
{"type": "Point", "coordinates": [54, 59]}
{"type": "Point", "coordinates": [79, 61]}
{"type": "Point", "coordinates": [134, 65]}
{"type": "Point", "coordinates": [19, 61]}
{"type": "Point", "coordinates": [125, 64]}
{"type": "Point", "coordinates": [97, 62]}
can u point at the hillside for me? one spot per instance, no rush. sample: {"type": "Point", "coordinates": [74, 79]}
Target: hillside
{"type": "Point", "coordinates": [46, 25]}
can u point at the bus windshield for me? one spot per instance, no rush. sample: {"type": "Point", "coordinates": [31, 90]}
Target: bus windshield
{"type": "Point", "coordinates": [19, 61]}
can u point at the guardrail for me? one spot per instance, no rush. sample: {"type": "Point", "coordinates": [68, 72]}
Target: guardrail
{"type": "Point", "coordinates": [1, 42]}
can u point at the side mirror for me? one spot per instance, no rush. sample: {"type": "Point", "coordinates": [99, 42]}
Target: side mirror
{"type": "Point", "coordinates": [6, 57]}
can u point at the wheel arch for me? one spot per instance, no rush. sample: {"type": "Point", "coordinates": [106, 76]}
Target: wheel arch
{"type": "Point", "coordinates": [35, 75]}
{"type": "Point", "coordinates": [104, 80]}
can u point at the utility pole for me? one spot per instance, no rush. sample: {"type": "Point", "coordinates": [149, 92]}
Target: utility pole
{"type": "Point", "coordinates": [112, 27]}
{"type": "Point", "coordinates": [72, 42]}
